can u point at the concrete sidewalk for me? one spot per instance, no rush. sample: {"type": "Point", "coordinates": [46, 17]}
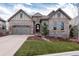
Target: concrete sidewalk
{"type": "Point", "coordinates": [71, 53]}
{"type": "Point", "coordinates": [10, 44]}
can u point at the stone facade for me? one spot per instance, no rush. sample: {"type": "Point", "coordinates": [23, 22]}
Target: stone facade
{"type": "Point", "coordinates": [57, 21]}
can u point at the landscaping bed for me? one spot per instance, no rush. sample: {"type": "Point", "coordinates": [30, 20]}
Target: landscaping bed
{"type": "Point", "coordinates": [35, 46]}
{"type": "Point", "coordinates": [51, 38]}
{"type": "Point", "coordinates": [48, 38]}
{"type": "Point", "coordinates": [35, 38]}
{"type": "Point", "coordinates": [1, 34]}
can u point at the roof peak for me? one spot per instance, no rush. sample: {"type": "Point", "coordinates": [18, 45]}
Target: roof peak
{"type": "Point", "coordinates": [37, 14]}
{"type": "Point", "coordinates": [20, 10]}
{"type": "Point", "coordinates": [2, 19]}
{"type": "Point", "coordinates": [59, 9]}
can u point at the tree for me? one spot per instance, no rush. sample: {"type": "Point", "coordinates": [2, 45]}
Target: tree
{"type": "Point", "coordinates": [74, 31]}
{"type": "Point", "coordinates": [45, 29]}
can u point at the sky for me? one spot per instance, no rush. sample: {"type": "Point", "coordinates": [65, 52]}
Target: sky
{"type": "Point", "coordinates": [8, 9]}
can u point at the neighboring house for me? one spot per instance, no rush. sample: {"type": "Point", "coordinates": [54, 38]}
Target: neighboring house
{"type": "Point", "coordinates": [57, 21]}
{"type": "Point", "coordinates": [2, 26]}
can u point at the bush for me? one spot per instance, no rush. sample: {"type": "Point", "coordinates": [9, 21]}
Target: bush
{"type": "Point", "coordinates": [74, 31]}
{"type": "Point", "coordinates": [45, 29]}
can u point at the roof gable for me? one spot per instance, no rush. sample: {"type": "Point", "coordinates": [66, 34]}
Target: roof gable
{"type": "Point", "coordinates": [51, 13]}
{"type": "Point", "coordinates": [54, 12]}
{"type": "Point", "coordinates": [17, 13]}
{"type": "Point", "coordinates": [2, 20]}
{"type": "Point", "coordinates": [37, 14]}
{"type": "Point", "coordinates": [63, 13]}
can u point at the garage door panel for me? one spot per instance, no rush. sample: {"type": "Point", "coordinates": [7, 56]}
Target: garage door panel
{"type": "Point", "coordinates": [21, 30]}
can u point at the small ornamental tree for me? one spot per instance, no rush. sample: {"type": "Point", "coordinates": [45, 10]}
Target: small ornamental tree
{"type": "Point", "coordinates": [45, 29]}
{"type": "Point", "coordinates": [74, 31]}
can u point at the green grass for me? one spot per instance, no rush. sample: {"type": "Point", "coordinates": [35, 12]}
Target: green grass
{"type": "Point", "coordinates": [38, 47]}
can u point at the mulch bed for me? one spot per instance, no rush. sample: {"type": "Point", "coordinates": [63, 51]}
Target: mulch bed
{"type": "Point", "coordinates": [2, 34]}
{"type": "Point", "coordinates": [35, 38]}
{"type": "Point", "coordinates": [51, 38]}
{"type": "Point", "coordinates": [74, 40]}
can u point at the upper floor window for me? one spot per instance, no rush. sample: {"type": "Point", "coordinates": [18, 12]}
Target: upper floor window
{"type": "Point", "coordinates": [58, 14]}
{"type": "Point", "coordinates": [21, 15]}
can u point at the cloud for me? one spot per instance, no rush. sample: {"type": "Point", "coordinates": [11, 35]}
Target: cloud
{"type": "Point", "coordinates": [70, 9]}
{"type": "Point", "coordinates": [7, 13]}
{"type": "Point", "coordinates": [7, 10]}
{"type": "Point", "coordinates": [29, 3]}
{"type": "Point", "coordinates": [39, 1]}
{"type": "Point", "coordinates": [4, 12]}
{"type": "Point", "coordinates": [26, 9]}
{"type": "Point", "coordinates": [32, 9]}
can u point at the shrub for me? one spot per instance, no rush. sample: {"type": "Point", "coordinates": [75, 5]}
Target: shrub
{"type": "Point", "coordinates": [74, 31]}
{"type": "Point", "coordinates": [45, 29]}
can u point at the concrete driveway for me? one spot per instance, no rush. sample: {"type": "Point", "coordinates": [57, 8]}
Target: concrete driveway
{"type": "Point", "coordinates": [11, 43]}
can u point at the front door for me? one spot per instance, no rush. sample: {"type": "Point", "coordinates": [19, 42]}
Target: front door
{"type": "Point", "coordinates": [37, 28]}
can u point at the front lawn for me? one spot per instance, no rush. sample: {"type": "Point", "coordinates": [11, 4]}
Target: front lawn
{"type": "Point", "coordinates": [39, 47]}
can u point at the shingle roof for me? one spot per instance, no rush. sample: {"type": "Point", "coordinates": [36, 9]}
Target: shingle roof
{"type": "Point", "coordinates": [2, 19]}
{"type": "Point", "coordinates": [37, 14]}
{"type": "Point", "coordinates": [51, 13]}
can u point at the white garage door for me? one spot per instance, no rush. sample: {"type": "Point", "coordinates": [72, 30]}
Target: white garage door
{"type": "Point", "coordinates": [21, 30]}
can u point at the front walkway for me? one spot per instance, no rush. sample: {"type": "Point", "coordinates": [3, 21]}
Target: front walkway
{"type": "Point", "coordinates": [71, 53]}
{"type": "Point", "coordinates": [11, 43]}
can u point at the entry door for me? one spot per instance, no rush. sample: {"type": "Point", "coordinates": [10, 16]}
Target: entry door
{"type": "Point", "coordinates": [37, 28]}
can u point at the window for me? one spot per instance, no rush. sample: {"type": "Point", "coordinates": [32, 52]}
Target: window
{"type": "Point", "coordinates": [3, 27]}
{"type": "Point", "coordinates": [54, 28]}
{"type": "Point", "coordinates": [58, 14]}
{"type": "Point", "coordinates": [59, 25]}
{"type": "Point", "coordinates": [37, 26]}
{"type": "Point", "coordinates": [62, 26]}
{"type": "Point", "coordinates": [21, 15]}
